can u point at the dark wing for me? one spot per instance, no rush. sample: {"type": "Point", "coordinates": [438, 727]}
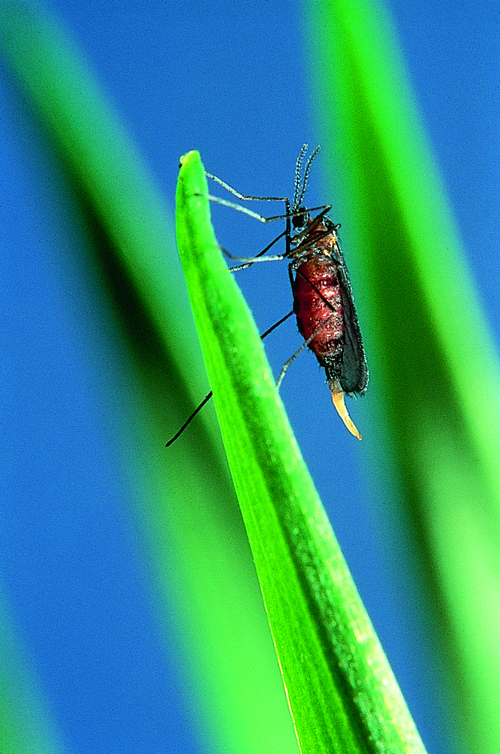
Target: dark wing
{"type": "Point", "coordinates": [354, 371]}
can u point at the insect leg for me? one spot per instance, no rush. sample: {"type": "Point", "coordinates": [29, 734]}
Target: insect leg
{"type": "Point", "coordinates": [189, 420]}
{"type": "Point", "coordinates": [207, 397]}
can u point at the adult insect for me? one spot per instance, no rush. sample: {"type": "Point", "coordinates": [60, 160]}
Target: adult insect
{"type": "Point", "coordinates": [322, 296]}
{"type": "Point", "coordinates": [326, 315]}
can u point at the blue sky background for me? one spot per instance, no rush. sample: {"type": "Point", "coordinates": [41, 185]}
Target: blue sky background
{"type": "Point", "coordinates": [231, 80]}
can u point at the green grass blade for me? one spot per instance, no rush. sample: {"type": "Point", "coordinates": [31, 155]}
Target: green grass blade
{"type": "Point", "coordinates": [22, 732]}
{"type": "Point", "coordinates": [434, 367]}
{"type": "Point", "coordinates": [341, 690]}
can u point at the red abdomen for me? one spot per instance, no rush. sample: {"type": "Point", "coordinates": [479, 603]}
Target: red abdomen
{"type": "Point", "coordinates": [317, 302]}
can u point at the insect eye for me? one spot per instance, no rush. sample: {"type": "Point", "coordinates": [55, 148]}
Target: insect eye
{"type": "Point", "coordinates": [301, 220]}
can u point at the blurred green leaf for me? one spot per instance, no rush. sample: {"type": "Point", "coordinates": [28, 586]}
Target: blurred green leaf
{"type": "Point", "coordinates": [26, 723]}
{"type": "Point", "coordinates": [208, 596]}
{"type": "Point", "coordinates": [434, 367]}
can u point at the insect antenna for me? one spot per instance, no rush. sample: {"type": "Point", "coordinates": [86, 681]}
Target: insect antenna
{"type": "Point", "coordinates": [298, 175]}
{"type": "Point", "coordinates": [301, 182]}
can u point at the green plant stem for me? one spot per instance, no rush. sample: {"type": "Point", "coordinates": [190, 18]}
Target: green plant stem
{"type": "Point", "coordinates": [341, 690]}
